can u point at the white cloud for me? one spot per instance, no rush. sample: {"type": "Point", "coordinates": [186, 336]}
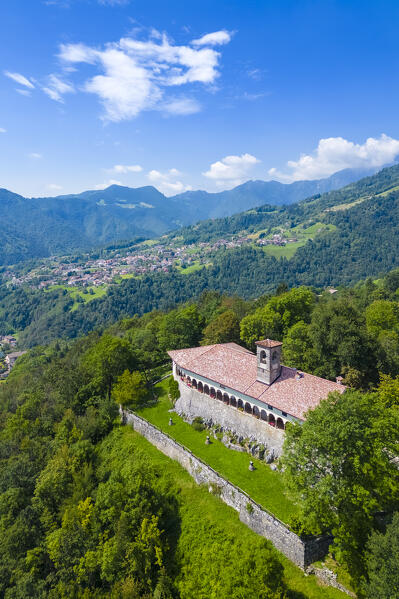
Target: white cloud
{"type": "Point", "coordinates": [35, 155]}
{"type": "Point", "coordinates": [136, 75]}
{"type": "Point", "coordinates": [77, 53]}
{"type": "Point", "coordinates": [231, 170]}
{"type": "Point", "coordinates": [2, 130]}
{"type": "Point", "coordinates": [55, 88]}
{"type": "Point", "coordinates": [54, 187]}
{"type": "Point", "coordinates": [107, 184]}
{"type": "Point", "coordinates": [20, 79]}
{"type": "Point", "coordinates": [168, 182]}
{"type": "Point", "coordinates": [181, 106]}
{"type": "Point", "coordinates": [124, 168]}
{"type": "Point", "coordinates": [213, 39]}
{"type": "Point", "coordinates": [336, 153]}
{"type": "Point", "coordinates": [24, 92]}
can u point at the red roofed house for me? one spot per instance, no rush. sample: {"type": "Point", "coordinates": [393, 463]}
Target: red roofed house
{"type": "Point", "coordinates": [248, 385]}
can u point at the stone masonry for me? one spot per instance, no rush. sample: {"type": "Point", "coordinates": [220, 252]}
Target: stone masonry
{"type": "Point", "coordinates": [301, 552]}
{"type": "Point", "coordinates": [192, 404]}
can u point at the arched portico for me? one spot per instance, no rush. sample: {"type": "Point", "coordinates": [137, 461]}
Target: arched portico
{"type": "Point", "coordinates": [280, 423]}
{"type": "Point", "coordinates": [249, 407]}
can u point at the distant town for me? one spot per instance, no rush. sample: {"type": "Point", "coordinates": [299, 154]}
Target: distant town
{"type": "Point", "coordinates": [151, 256]}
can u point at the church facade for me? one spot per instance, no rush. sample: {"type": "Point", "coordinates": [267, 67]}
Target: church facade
{"type": "Point", "coordinates": [248, 385]}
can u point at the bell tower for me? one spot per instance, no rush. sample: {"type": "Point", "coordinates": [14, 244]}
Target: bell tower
{"type": "Point", "coordinates": [268, 355]}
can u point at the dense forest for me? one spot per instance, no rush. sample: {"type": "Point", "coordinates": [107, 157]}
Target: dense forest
{"type": "Point", "coordinates": [85, 512]}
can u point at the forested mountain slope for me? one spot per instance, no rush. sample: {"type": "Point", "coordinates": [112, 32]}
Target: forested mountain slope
{"type": "Point", "coordinates": [40, 227]}
{"type": "Point", "coordinates": [310, 210]}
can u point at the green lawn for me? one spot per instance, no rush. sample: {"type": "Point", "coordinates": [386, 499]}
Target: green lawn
{"type": "Point", "coordinates": [388, 191]}
{"type": "Point", "coordinates": [263, 485]}
{"type": "Point", "coordinates": [75, 292]}
{"type": "Point", "coordinates": [189, 269]}
{"type": "Point", "coordinates": [120, 278]}
{"type": "Point", "coordinates": [340, 207]}
{"type": "Point", "coordinates": [303, 234]}
{"type": "Point", "coordinates": [284, 251]}
{"type": "Point", "coordinates": [197, 503]}
{"type": "Point", "coordinates": [150, 242]}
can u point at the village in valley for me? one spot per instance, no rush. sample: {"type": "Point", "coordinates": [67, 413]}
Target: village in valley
{"type": "Point", "coordinates": [113, 265]}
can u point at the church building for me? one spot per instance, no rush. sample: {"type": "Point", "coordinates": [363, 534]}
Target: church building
{"type": "Point", "coordinates": [255, 385]}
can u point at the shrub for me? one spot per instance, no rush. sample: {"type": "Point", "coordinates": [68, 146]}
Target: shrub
{"type": "Point", "coordinates": [198, 424]}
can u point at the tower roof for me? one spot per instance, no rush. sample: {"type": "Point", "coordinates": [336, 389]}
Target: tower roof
{"type": "Point", "coordinates": [268, 343]}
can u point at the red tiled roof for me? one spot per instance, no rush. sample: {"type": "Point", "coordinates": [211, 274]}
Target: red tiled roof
{"type": "Point", "coordinates": [268, 343]}
{"type": "Point", "coordinates": [235, 367]}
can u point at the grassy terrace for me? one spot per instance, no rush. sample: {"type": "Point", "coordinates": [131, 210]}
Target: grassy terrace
{"type": "Point", "coordinates": [284, 251]}
{"type": "Point", "coordinates": [205, 512]}
{"type": "Point", "coordinates": [263, 485]}
{"type": "Point", "coordinates": [90, 293]}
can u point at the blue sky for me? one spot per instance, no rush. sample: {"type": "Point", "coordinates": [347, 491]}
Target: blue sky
{"type": "Point", "coordinates": [194, 94]}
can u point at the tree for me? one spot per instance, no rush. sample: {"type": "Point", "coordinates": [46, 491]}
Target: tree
{"type": "Point", "coordinates": [297, 347]}
{"type": "Point", "coordinates": [339, 465]}
{"type": "Point", "coordinates": [130, 390]}
{"type": "Point", "coordinates": [174, 391]}
{"type": "Point", "coordinates": [263, 323]}
{"type": "Point", "coordinates": [294, 306]}
{"type": "Point", "coordinates": [180, 328]}
{"type": "Point", "coordinates": [382, 559]}
{"type": "Point", "coordinates": [106, 360]}
{"type": "Point", "coordinates": [339, 338]}
{"type": "Point", "coordinates": [222, 329]}
{"type": "Point", "coordinates": [381, 315]}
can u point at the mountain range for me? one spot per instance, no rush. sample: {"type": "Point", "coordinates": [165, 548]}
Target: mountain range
{"type": "Point", "coordinates": [41, 227]}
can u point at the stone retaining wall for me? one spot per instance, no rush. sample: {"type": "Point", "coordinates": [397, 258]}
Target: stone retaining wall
{"type": "Point", "coordinates": [301, 552]}
{"type": "Point", "coordinates": [192, 403]}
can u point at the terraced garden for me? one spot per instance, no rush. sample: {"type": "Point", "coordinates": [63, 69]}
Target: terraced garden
{"type": "Point", "coordinates": [264, 485]}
